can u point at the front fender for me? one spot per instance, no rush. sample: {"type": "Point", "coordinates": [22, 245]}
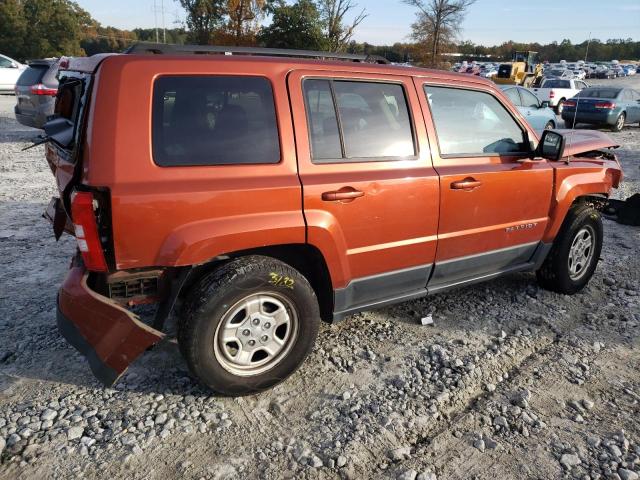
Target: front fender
{"type": "Point", "coordinates": [198, 242]}
{"type": "Point", "coordinates": [572, 186]}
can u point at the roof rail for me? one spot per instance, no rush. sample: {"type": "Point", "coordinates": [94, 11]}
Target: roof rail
{"type": "Point", "coordinates": [170, 49]}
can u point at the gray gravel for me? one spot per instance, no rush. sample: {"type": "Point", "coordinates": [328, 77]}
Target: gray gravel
{"type": "Point", "coordinates": [510, 381]}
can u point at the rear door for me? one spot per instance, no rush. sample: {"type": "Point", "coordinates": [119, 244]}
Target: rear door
{"type": "Point", "coordinates": [370, 191]}
{"type": "Point", "coordinates": [494, 202]}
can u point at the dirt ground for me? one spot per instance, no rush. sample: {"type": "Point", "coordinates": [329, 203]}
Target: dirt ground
{"type": "Point", "coordinates": [510, 382]}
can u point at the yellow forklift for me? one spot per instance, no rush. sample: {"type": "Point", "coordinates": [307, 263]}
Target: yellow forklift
{"type": "Point", "coordinates": [525, 70]}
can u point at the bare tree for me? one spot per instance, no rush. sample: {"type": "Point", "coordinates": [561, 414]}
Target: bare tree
{"type": "Point", "coordinates": [438, 23]}
{"type": "Point", "coordinates": [337, 31]}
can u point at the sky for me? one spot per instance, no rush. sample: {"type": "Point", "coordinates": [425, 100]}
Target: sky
{"type": "Point", "coordinates": [488, 22]}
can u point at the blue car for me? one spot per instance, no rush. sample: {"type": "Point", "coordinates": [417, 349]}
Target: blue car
{"type": "Point", "coordinates": [537, 113]}
{"type": "Point", "coordinates": [612, 106]}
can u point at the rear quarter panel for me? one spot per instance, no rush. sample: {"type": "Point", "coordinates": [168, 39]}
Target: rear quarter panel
{"type": "Point", "coordinates": [173, 216]}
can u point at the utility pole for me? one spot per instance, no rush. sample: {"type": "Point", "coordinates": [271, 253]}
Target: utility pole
{"type": "Point", "coordinates": [164, 29]}
{"type": "Point", "coordinates": [155, 19]}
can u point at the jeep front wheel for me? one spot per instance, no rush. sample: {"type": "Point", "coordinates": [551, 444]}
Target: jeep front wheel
{"type": "Point", "coordinates": [575, 252]}
{"type": "Point", "coordinates": [248, 325]}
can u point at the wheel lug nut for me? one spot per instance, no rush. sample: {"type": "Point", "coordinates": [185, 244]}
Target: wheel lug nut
{"type": "Point", "coordinates": [256, 321]}
{"type": "Point", "coordinates": [264, 338]}
{"type": "Point", "coordinates": [246, 332]}
{"type": "Point", "coordinates": [267, 325]}
{"type": "Point", "coordinates": [252, 343]}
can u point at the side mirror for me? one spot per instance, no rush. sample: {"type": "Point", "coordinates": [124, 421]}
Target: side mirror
{"type": "Point", "coordinates": [14, 65]}
{"type": "Point", "coordinates": [551, 146]}
{"type": "Point", "coordinates": [545, 104]}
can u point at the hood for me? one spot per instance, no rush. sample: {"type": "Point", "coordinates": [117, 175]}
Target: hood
{"type": "Point", "coordinates": [582, 141]}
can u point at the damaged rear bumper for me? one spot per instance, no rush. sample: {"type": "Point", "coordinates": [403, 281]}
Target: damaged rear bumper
{"type": "Point", "coordinates": [109, 336]}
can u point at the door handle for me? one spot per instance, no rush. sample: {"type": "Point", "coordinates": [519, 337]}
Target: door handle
{"type": "Point", "coordinates": [466, 184]}
{"type": "Point", "coordinates": [345, 194]}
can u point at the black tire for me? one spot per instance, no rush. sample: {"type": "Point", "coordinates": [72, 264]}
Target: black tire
{"type": "Point", "coordinates": [619, 125]}
{"type": "Point", "coordinates": [217, 294]}
{"type": "Point", "coordinates": [554, 274]}
{"type": "Point", "coordinates": [560, 106]}
{"type": "Point", "coordinates": [550, 125]}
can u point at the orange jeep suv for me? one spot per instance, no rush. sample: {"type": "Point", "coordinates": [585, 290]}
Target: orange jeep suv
{"type": "Point", "coordinates": [264, 190]}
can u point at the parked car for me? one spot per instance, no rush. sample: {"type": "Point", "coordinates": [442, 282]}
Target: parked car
{"type": "Point", "coordinates": [36, 91]}
{"type": "Point", "coordinates": [490, 73]}
{"type": "Point", "coordinates": [556, 91]}
{"type": "Point", "coordinates": [613, 106]}
{"type": "Point", "coordinates": [629, 70]}
{"type": "Point", "coordinates": [537, 113]}
{"type": "Point", "coordinates": [10, 70]}
{"type": "Point", "coordinates": [605, 73]}
{"type": "Point", "coordinates": [268, 192]}
{"type": "Point", "coordinates": [579, 74]}
{"type": "Point", "coordinates": [561, 73]}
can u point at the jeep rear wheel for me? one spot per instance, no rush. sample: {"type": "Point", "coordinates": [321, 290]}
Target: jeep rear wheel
{"type": "Point", "coordinates": [248, 325]}
{"type": "Point", "coordinates": [575, 252]}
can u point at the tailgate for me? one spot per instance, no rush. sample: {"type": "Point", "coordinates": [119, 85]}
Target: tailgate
{"type": "Point", "coordinates": [65, 133]}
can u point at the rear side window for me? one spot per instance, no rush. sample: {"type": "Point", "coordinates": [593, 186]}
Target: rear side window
{"type": "Point", "coordinates": [473, 123]}
{"type": "Point", "coordinates": [599, 93]}
{"type": "Point", "coordinates": [371, 121]}
{"type": "Point", "coordinates": [32, 75]}
{"type": "Point", "coordinates": [214, 120]}
{"type": "Point", "coordinates": [556, 84]}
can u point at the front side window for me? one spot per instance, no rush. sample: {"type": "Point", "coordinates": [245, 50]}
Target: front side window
{"type": "Point", "coordinates": [529, 99]}
{"type": "Point", "coordinates": [214, 120]}
{"type": "Point", "coordinates": [512, 94]}
{"type": "Point", "coordinates": [371, 122]}
{"type": "Point", "coordinates": [5, 63]}
{"type": "Point", "coordinates": [473, 123]}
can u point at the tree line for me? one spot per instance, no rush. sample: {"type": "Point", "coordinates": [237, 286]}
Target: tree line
{"type": "Point", "coordinates": [52, 28]}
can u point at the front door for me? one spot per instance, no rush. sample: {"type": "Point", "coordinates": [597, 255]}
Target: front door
{"type": "Point", "coordinates": [370, 191]}
{"type": "Point", "coordinates": [494, 201]}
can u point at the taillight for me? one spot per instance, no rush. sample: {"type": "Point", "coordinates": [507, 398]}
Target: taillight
{"type": "Point", "coordinates": [605, 105]}
{"type": "Point", "coordinates": [41, 89]}
{"type": "Point", "coordinates": [552, 94]}
{"type": "Point", "coordinates": [569, 103]}
{"type": "Point", "coordinates": [86, 229]}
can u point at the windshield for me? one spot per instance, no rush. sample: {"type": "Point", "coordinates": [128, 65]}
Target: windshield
{"type": "Point", "coordinates": [599, 93]}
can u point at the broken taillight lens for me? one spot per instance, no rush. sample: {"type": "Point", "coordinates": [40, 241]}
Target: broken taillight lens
{"type": "Point", "coordinates": [86, 230]}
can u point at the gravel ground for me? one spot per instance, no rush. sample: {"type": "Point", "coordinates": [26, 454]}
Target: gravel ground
{"type": "Point", "coordinates": [510, 381]}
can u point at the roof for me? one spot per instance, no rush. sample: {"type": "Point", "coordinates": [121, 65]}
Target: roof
{"type": "Point", "coordinates": [90, 64]}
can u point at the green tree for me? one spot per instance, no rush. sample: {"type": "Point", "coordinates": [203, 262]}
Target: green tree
{"type": "Point", "coordinates": [42, 28]}
{"type": "Point", "coordinates": [294, 26]}
{"type": "Point", "coordinates": [204, 17]}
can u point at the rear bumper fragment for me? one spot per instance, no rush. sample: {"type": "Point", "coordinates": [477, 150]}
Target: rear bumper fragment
{"type": "Point", "coordinates": [109, 336]}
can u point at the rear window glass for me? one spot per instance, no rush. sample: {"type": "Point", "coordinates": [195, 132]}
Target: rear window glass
{"type": "Point", "coordinates": [598, 93]}
{"type": "Point", "coordinates": [32, 75]}
{"type": "Point", "coordinates": [557, 84]}
{"type": "Point", "coordinates": [214, 120]}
